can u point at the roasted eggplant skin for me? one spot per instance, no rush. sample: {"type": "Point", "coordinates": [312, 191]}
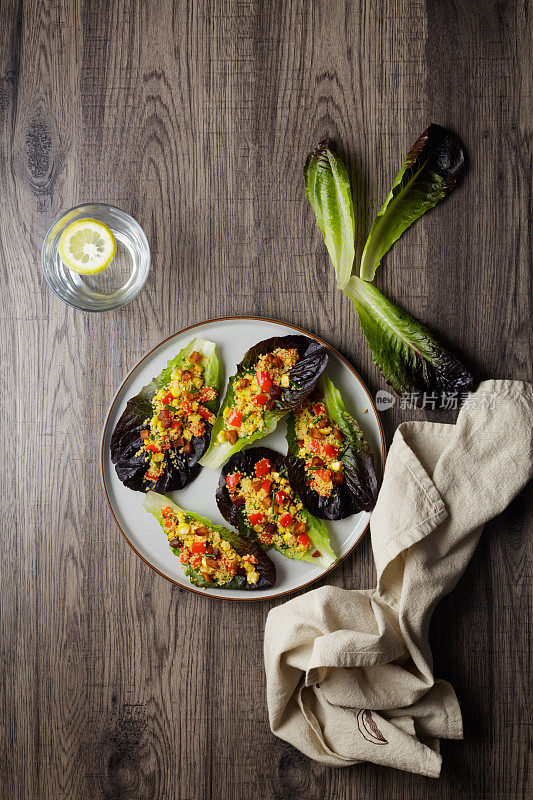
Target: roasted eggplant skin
{"type": "Point", "coordinates": [126, 442]}
{"type": "Point", "coordinates": [313, 359]}
{"type": "Point", "coordinates": [358, 492]}
{"type": "Point", "coordinates": [266, 568]}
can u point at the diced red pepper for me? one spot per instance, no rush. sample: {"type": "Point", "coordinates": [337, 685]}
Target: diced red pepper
{"type": "Point", "coordinates": [318, 409]}
{"type": "Point", "coordinates": [303, 539]}
{"type": "Point", "coordinates": [315, 446]}
{"type": "Point", "coordinates": [285, 520]}
{"type": "Point", "coordinates": [168, 523]}
{"type": "Point", "coordinates": [176, 425]}
{"type": "Point", "coordinates": [204, 412]}
{"type": "Point", "coordinates": [185, 555]}
{"type": "Point", "coordinates": [153, 448]}
{"type": "Point", "coordinates": [262, 468]}
{"type": "Point", "coordinates": [330, 450]}
{"type": "Point", "coordinates": [265, 485]}
{"type": "Point", "coordinates": [263, 379]}
{"type": "Point", "coordinates": [323, 474]}
{"type": "Point", "coordinates": [230, 565]}
{"type": "Point", "coordinates": [235, 418]}
{"type": "Point", "coordinates": [195, 561]}
{"type": "Point", "coordinates": [167, 512]}
{"type": "Point", "coordinates": [255, 518]}
{"type": "Point", "coordinates": [266, 538]}
{"type": "Point", "coordinates": [232, 481]}
{"type": "Point", "coordinates": [198, 547]}
{"type": "Point", "coordinates": [281, 498]}
{"type": "Point", "coordinates": [260, 399]}
{"type": "Point", "coordinates": [186, 406]}
{"type": "Point", "coordinates": [167, 399]}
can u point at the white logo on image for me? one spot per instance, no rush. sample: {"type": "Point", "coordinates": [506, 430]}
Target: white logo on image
{"type": "Point", "coordinates": [384, 400]}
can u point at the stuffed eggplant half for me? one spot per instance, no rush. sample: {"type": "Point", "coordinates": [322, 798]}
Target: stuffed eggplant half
{"type": "Point", "coordinates": [254, 494]}
{"type": "Point", "coordinates": [329, 463]}
{"type": "Point", "coordinates": [274, 376]}
{"type": "Point", "coordinates": [211, 555]}
{"type": "Point", "coordinates": [165, 429]}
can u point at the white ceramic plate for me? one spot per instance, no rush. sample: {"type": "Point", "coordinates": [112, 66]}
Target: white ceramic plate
{"type": "Point", "coordinates": [233, 336]}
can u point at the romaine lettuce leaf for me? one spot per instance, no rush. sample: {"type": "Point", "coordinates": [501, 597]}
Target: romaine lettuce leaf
{"type": "Point", "coordinates": [358, 491]}
{"type": "Point", "coordinates": [244, 462]}
{"type": "Point", "coordinates": [429, 172]}
{"type": "Point", "coordinates": [408, 355]}
{"type": "Point", "coordinates": [406, 352]}
{"type": "Point", "coordinates": [154, 503]}
{"type": "Point", "coordinates": [130, 463]}
{"type": "Point", "coordinates": [303, 377]}
{"type": "Point", "coordinates": [327, 187]}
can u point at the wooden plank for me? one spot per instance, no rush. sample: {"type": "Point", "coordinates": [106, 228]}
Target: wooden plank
{"type": "Point", "coordinates": [196, 116]}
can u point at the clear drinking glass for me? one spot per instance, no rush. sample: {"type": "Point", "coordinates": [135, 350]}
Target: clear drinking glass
{"type": "Point", "coordinates": [116, 285]}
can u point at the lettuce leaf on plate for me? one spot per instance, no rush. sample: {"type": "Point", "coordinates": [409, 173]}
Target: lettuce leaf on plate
{"type": "Point", "coordinates": [131, 465]}
{"type": "Point", "coordinates": [154, 504]}
{"type": "Point", "coordinates": [303, 377]}
{"type": "Point", "coordinates": [358, 491]}
{"type": "Point", "coordinates": [245, 463]}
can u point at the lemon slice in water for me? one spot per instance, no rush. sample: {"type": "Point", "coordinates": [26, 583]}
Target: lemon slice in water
{"type": "Point", "coordinates": [87, 246]}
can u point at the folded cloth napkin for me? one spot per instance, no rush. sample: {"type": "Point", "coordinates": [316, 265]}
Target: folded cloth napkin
{"type": "Point", "coordinates": [349, 672]}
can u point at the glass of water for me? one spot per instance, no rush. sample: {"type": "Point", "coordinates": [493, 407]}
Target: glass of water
{"type": "Point", "coordinates": [119, 282]}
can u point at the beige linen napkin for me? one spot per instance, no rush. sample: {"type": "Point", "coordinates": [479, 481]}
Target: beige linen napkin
{"type": "Point", "coordinates": [349, 672]}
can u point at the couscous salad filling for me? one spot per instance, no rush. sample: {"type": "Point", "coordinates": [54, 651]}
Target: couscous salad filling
{"type": "Point", "coordinates": [255, 393]}
{"type": "Point", "coordinates": [179, 414]}
{"type": "Point", "coordinates": [320, 446]}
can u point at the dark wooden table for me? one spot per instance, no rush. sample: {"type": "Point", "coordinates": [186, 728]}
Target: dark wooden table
{"type": "Point", "coordinates": [196, 117]}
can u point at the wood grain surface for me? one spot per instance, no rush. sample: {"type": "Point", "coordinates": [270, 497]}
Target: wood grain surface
{"type": "Point", "coordinates": [196, 117]}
